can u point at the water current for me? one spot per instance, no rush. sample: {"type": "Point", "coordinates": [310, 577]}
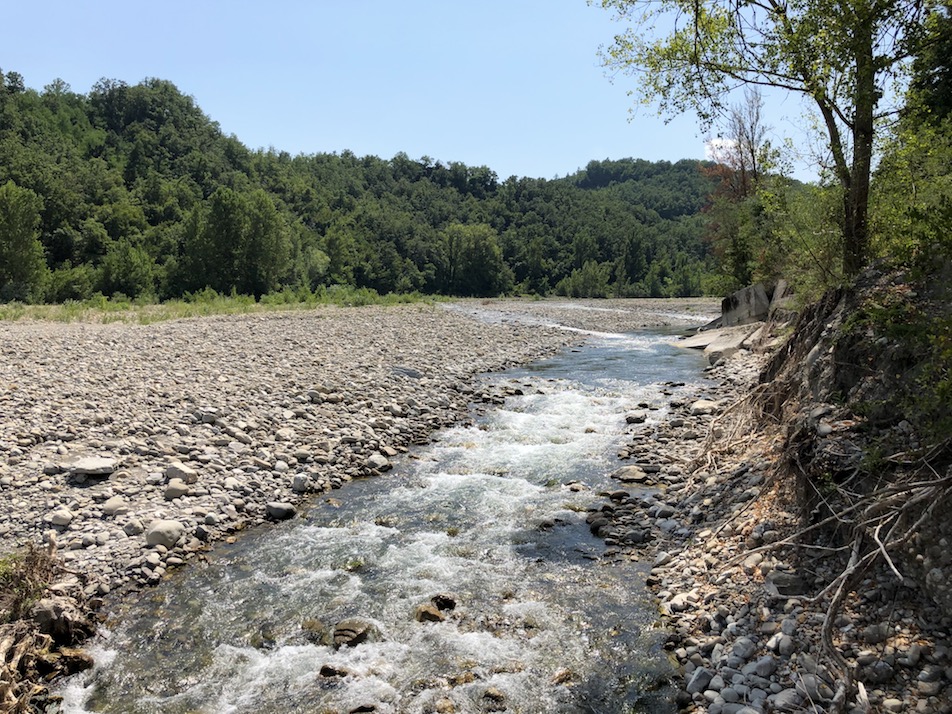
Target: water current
{"type": "Point", "coordinates": [485, 515]}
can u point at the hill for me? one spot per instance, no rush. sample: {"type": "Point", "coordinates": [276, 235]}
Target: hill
{"type": "Point", "coordinates": [133, 190]}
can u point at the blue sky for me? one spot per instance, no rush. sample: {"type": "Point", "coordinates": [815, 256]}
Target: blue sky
{"type": "Point", "coordinates": [515, 85]}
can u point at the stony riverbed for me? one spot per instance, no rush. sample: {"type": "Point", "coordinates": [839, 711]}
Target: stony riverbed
{"type": "Point", "coordinates": [745, 613]}
{"type": "Point", "coordinates": [133, 447]}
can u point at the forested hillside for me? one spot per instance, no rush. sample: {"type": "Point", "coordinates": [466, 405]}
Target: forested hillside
{"type": "Point", "coordinates": [133, 190]}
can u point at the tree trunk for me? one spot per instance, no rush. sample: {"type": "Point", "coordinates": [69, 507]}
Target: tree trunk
{"type": "Point", "coordinates": [855, 223]}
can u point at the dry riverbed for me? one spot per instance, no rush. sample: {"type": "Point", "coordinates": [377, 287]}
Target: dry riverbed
{"type": "Point", "coordinates": [131, 448]}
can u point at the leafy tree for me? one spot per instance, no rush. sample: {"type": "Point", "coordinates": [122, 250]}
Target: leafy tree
{"type": "Point", "coordinates": [841, 55]}
{"type": "Point", "coordinates": [340, 247]}
{"type": "Point", "coordinates": [589, 281]}
{"type": "Point", "coordinates": [913, 194]}
{"type": "Point", "coordinates": [22, 264]}
{"type": "Point", "coordinates": [475, 266]}
{"type": "Point", "coordinates": [931, 86]}
{"type": "Point", "coordinates": [265, 249]}
{"type": "Point", "coordinates": [127, 269]}
{"type": "Point", "coordinates": [142, 192]}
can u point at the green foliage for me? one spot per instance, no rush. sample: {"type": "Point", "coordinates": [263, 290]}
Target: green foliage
{"type": "Point", "coordinates": [805, 243]}
{"type": "Point", "coordinates": [915, 335]}
{"type": "Point", "coordinates": [912, 195]}
{"type": "Point", "coordinates": [589, 281]}
{"type": "Point", "coordinates": [142, 195]}
{"type": "Point", "coordinates": [127, 269]}
{"type": "Point", "coordinates": [931, 87]}
{"type": "Point", "coordinates": [22, 265]}
{"type": "Point", "coordinates": [912, 198]}
{"type": "Point", "coordinates": [474, 263]}
{"type": "Point", "coordinates": [690, 55]}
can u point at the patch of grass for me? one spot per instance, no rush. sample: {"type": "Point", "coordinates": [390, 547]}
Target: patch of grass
{"type": "Point", "coordinates": [24, 577]}
{"type": "Point", "coordinates": [100, 309]}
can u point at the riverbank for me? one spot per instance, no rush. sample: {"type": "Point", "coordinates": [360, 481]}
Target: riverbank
{"type": "Point", "coordinates": [749, 599]}
{"type": "Point", "coordinates": [131, 449]}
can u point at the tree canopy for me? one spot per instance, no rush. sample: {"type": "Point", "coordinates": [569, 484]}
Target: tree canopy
{"type": "Point", "coordinates": [133, 190]}
{"type": "Point", "coordinates": [848, 57]}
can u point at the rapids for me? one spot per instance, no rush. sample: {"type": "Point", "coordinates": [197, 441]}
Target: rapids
{"type": "Point", "coordinates": [491, 514]}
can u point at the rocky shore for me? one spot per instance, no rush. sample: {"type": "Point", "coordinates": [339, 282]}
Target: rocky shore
{"type": "Point", "coordinates": [132, 447]}
{"type": "Point", "coordinates": [744, 597]}
{"type": "Point", "coordinates": [129, 450]}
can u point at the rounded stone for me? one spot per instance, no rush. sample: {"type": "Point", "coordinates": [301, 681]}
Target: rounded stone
{"type": "Point", "coordinates": [164, 532]}
{"type": "Point", "coordinates": [280, 510]}
{"type": "Point", "coordinates": [176, 488]}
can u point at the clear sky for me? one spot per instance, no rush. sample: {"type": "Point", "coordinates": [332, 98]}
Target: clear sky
{"type": "Point", "coordinates": [515, 85]}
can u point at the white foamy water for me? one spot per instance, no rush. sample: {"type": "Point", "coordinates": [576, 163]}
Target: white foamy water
{"type": "Point", "coordinates": [483, 514]}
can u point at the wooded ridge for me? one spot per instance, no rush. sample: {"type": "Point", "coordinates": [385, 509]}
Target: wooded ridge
{"type": "Point", "coordinates": [134, 191]}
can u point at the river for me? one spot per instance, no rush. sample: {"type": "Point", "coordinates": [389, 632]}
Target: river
{"type": "Point", "coordinates": [484, 528]}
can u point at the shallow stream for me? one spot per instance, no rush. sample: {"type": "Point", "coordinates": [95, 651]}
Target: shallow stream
{"type": "Point", "coordinates": [485, 516]}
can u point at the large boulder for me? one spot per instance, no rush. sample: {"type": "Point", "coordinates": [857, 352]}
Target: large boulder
{"type": "Point", "coordinates": [163, 532]}
{"type": "Point", "coordinates": [61, 618]}
{"type": "Point", "coordinates": [747, 305]}
{"type": "Point", "coordinates": [720, 343]}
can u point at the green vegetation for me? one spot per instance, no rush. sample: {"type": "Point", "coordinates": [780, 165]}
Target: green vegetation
{"type": "Point", "coordinates": [200, 303]}
{"type": "Point", "coordinates": [24, 578]}
{"type": "Point", "coordinates": [859, 66]}
{"type": "Point", "coordinates": [133, 193]}
{"type": "Point", "coordinates": [845, 58]}
{"type": "Point", "coordinates": [130, 196]}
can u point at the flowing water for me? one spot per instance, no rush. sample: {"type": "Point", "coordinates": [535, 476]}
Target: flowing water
{"type": "Point", "coordinates": [485, 516]}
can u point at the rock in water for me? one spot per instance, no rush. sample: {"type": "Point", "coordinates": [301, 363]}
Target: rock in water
{"type": "Point", "coordinates": [353, 632]}
{"type": "Point", "coordinates": [428, 612]}
{"type": "Point", "coordinates": [60, 618]}
{"type": "Point", "coordinates": [379, 462]}
{"type": "Point", "coordinates": [444, 601]}
{"type": "Point", "coordinates": [280, 510]}
{"type": "Point", "coordinates": [316, 632]}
